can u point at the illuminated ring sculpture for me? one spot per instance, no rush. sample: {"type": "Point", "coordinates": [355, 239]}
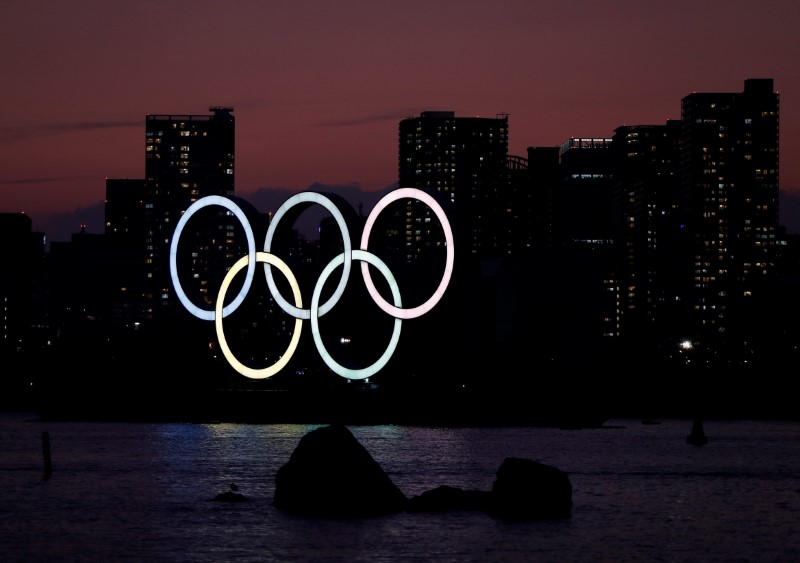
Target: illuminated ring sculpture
{"type": "Point", "coordinates": [366, 257]}
{"type": "Point", "coordinates": [298, 323]}
{"type": "Point", "coordinates": [409, 193]}
{"type": "Point", "coordinates": [205, 314]}
{"type": "Point", "coordinates": [309, 197]}
{"type": "Point", "coordinates": [316, 310]}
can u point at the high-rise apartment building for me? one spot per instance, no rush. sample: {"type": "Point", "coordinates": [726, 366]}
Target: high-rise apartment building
{"type": "Point", "coordinates": [22, 256]}
{"type": "Point", "coordinates": [464, 159]}
{"type": "Point", "coordinates": [517, 234]}
{"type": "Point", "coordinates": [22, 307]}
{"type": "Point", "coordinates": [464, 162]}
{"type": "Point", "coordinates": [729, 198]}
{"type": "Point", "coordinates": [544, 179]}
{"type": "Point", "coordinates": [585, 232]}
{"type": "Point", "coordinates": [187, 157]}
{"type": "Point", "coordinates": [585, 187]}
{"type": "Point", "coordinates": [125, 236]}
{"type": "Point", "coordinates": [646, 229]}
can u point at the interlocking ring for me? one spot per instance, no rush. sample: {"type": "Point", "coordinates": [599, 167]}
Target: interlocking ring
{"type": "Point", "coordinates": [251, 255]}
{"type": "Point", "coordinates": [218, 315]}
{"type": "Point", "coordinates": [409, 193]}
{"type": "Point", "coordinates": [310, 197]}
{"type": "Point", "coordinates": [315, 310]}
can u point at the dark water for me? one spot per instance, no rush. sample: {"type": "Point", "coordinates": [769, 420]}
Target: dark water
{"type": "Point", "coordinates": [140, 492]}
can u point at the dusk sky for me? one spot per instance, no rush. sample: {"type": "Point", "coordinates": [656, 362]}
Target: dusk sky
{"type": "Point", "coordinates": [318, 87]}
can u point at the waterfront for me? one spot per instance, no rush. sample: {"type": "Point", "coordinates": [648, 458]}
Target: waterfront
{"type": "Point", "coordinates": [140, 491]}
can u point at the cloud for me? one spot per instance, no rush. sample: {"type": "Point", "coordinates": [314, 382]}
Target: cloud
{"type": "Point", "coordinates": [45, 180]}
{"type": "Point", "coordinates": [393, 117]}
{"type": "Point", "coordinates": [13, 133]}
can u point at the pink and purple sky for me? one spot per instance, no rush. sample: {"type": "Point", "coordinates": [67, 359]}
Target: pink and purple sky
{"type": "Point", "coordinates": [318, 87]}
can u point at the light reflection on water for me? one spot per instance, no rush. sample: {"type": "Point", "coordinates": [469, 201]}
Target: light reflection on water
{"type": "Point", "coordinates": [140, 492]}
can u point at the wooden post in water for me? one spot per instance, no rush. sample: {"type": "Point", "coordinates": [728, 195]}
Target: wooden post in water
{"type": "Point", "coordinates": [48, 466]}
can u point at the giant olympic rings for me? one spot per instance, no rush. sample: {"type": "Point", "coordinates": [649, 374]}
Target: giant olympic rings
{"type": "Point", "coordinates": [315, 310]}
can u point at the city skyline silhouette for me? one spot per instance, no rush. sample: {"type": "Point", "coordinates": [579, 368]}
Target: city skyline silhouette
{"type": "Point", "coordinates": [602, 368]}
{"type": "Point", "coordinates": [509, 362]}
{"type": "Point", "coordinates": [319, 88]}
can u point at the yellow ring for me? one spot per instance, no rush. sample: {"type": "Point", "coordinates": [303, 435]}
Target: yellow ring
{"type": "Point", "coordinates": [298, 323]}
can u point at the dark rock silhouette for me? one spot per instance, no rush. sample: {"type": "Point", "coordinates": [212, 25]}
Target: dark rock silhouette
{"type": "Point", "coordinates": [524, 489]}
{"type": "Point", "coordinates": [330, 474]}
{"type": "Point", "coordinates": [446, 497]}
{"type": "Point", "coordinates": [230, 496]}
{"type": "Point", "coordinates": [527, 489]}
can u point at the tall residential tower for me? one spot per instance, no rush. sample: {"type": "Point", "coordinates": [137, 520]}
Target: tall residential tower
{"type": "Point", "coordinates": [187, 157]}
{"type": "Point", "coordinates": [464, 159]}
{"type": "Point", "coordinates": [729, 197]}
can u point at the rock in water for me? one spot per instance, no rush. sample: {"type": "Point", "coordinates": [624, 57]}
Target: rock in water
{"type": "Point", "coordinates": [527, 489]}
{"type": "Point", "coordinates": [446, 497]}
{"type": "Point", "coordinates": [230, 496]}
{"type": "Point", "coordinates": [330, 474]}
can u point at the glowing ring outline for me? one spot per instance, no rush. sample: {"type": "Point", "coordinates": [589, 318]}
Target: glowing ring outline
{"type": "Point", "coordinates": [345, 259]}
{"type": "Point", "coordinates": [366, 372]}
{"type": "Point", "coordinates": [298, 323]}
{"type": "Point", "coordinates": [205, 314]}
{"type": "Point", "coordinates": [309, 197]}
{"type": "Point", "coordinates": [409, 193]}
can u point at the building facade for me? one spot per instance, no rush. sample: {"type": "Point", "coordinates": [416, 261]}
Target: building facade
{"type": "Point", "coordinates": [125, 237]}
{"type": "Point", "coordinates": [585, 233]}
{"type": "Point", "coordinates": [646, 229]}
{"type": "Point", "coordinates": [23, 252]}
{"type": "Point", "coordinates": [729, 172]}
{"type": "Point", "coordinates": [187, 157]}
{"type": "Point", "coordinates": [465, 161]}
